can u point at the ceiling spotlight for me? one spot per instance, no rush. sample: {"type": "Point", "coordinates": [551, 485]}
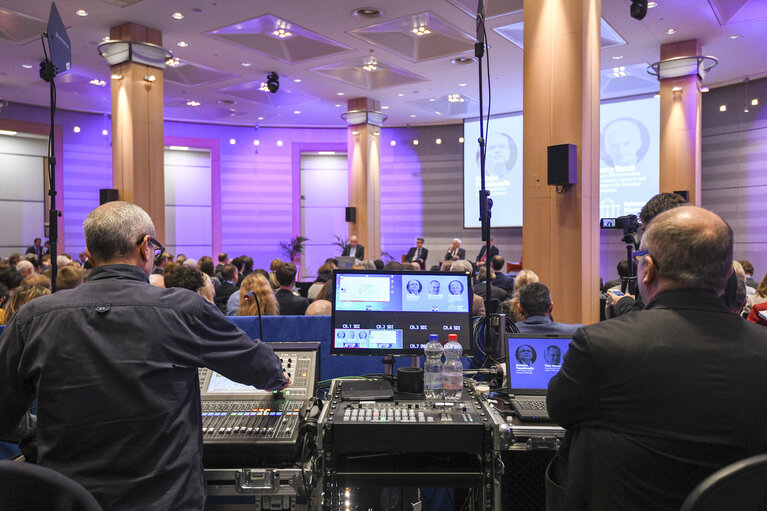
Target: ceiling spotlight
{"type": "Point", "coordinates": [455, 98]}
{"type": "Point", "coordinates": [76, 129]}
{"type": "Point", "coordinates": [173, 62]}
{"type": "Point", "coordinates": [463, 60]}
{"type": "Point", "coordinates": [96, 81]}
{"type": "Point", "coordinates": [734, 36]}
{"type": "Point", "coordinates": [256, 142]}
{"type": "Point", "coordinates": [177, 16]}
{"type": "Point", "coordinates": [232, 141]}
{"type": "Point", "coordinates": [297, 80]}
{"type": "Point", "coordinates": [282, 33]}
{"type": "Point", "coordinates": [638, 9]}
{"type": "Point", "coordinates": [279, 143]}
{"type": "Point", "coordinates": [415, 141]}
{"type": "Point", "coordinates": [438, 141]}
{"type": "Point", "coordinates": [263, 87]}
{"type": "Point", "coordinates": [460, 140]}
{"type": "Point", "coordinates": [676, 89]}
{"type": "Point", "coordinates": [192, 102]}
{"type": "Point", "coordinates": [393, 143]}
{"type": "Point", "coordinates": [260, 118]}
{"type": "Point", "coordinates": [723, 108]}
{"type": "Point", "coordinates": [367, 13]}
{"type": "Point", "coordinates": [339, 93]}
{"type": "Point", "coordinates": [704, 89]}
{"type": "Point", "coordinates": [652, 5]}
{"type": "Point", "coordinates": [337, 105]}
{"type": "Point", "coordinates": [27, 66]}
{"type": "Point", "coordinates": [150, 78]}
{"type": "Point", "coordinates": [105, 132]}
{"type": "Point", "coordinates": [183, 44]}
{"type": "Point", "coordinates": [670, 31]}
{"type": "Point", "coordinates": [384, 107]}
{"type": "Point", "coordinates": [296, 112]}
{"type": "Point", "coordinates": [81, 12]}
{"type": "Point", "coordinates": [617, 57]}
{"type": "Point", "coordinates": [420, 31]}
{"type": "Point", "coordinates": [246, 64]}
{"type": "Point", "coordinates": [371, 64]}
{"type": "Point", "coordinates": [117, 76]}
{"type": "Point", "coordinates": [755, 102]}
{"type": "Point", "coordinates": [273, 82]}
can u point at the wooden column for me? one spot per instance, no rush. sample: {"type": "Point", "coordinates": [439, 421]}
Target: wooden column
{"type": "Point", "coordinates": [560, 236]}
{"type": "Point", "coordinates": [364, 155]}
{"type": "Point", "coordinates": [680, 125]}
{"type": "Point", "coordinates": [137, 129]}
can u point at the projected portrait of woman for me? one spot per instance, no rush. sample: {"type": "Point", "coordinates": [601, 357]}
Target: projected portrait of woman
{"type": "Point", "coordinates": [501, 154]}
{"type": "Point", "coordinates": [625, 142]}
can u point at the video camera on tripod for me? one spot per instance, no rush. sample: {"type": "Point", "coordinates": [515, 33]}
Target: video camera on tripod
{"type": "Point", "coordinates": [630, 225]}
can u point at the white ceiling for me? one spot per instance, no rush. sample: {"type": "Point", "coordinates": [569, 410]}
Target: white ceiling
{"type": "Point", "coordinates": [415, 76]}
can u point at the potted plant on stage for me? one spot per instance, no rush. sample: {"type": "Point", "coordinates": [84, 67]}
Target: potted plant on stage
{"type": "Point", "coordinates": [293, 249]}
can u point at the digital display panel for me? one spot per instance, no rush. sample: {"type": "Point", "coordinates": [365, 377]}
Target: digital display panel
{"type": "Point", "coordinates": [533, 360]}
{"type": "Point", "coordinates": [394, 312]}
{"type": "Point", "coordinates": [222, 385]}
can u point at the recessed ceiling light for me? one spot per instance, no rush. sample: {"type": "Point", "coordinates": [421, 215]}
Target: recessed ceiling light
{"type": "Point", "coordinates": [264, 87]}
{"type": "Point", "coordinates": [676, 89]}
{"type": "Point", "coordinates": [617, 57]}
{"type": "Point", "coordinates": [652, 5]}
{"type": "Point", "coordinates": [670, 31]}
{"type": "Point", "coordinates": [256, 142]}
{"type": "Point", "coordinates": [178, 148]}
{"type": "Point", "coordinates": [105, 132]}
{"type": "Point", "coordinates": [26, 66]}
{"type": "Point", "coordinates": [463, 60]}
{"type": "Point", "coordinates": [734, 36]}
{"type": "Point", "coordinates": [370, 65]}
{"type": "Point", "coordinates": [438, 141]}
{"type": "Point", "coordinates": [96, 81]}
{"type": "Point", "coordinates": [456, 98]}
{"type": "Point", "coordinates": [279, 143]}
{"type": "Point", "coordinates": [76, 129]}
{"type": "Point", "coordinates": [421, 30]}
{"type": "Point", "coordinates": [460, 140]}
{"type": "Point", "coordinates": [246, 64]}
{"type": "Point", "coordinates": [338, 105]}
{"type": "Point", "coordinates": [367, 13]}
{"type": "Point", "coordinates": [173, 62]}
{"type": "Point", "coordinates": [177, 16]}
{"type": "Point", "coordinates": [105, 39]}
{"type": "Point", "coordinates": [232, 141]}
{"type": "Point", "coordinates": [704, 89]}
{"type": "Point", "coordinates": [393, 143]}
{"type": "Point", "coordinates": [431, 99]}
{"type": "Point", "coordinates": [412, 115]}
{"type": "Point", "coordinates": [415, 141]}
{"type": "Point", "coordinates": [296, 112]}
{"type": "Point", "coordinates": [260, 118]}
{"type": "Point", "coordinates": [755, 102]}
{"type": "Point", "coordinates": [401, 94]}
{"type": "Point", "coordinates": [723, 108]}
{"type": "Point", "coordinates": [384, 107]}
{"type": "Point", "coordinates": [282, 33]}
{"type": "Point", "coordinates": [81, 12]}
{"type": "Point", "coordinates": [297, 80]}
{"type": "Point", "coordinates": [339, 93]}
{"type": "Point", "coordinates": [462, 85]}
{"type": "Point", "coordinates": [192, 102]}
{"type": "Point", "coordinates": [183, 44]}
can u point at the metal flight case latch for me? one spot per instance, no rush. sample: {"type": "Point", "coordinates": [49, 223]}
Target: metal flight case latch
{"type": "Point", "coordinates": [256, 481]}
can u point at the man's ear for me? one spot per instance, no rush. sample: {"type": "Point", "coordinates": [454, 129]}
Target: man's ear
{"type": "Point", "coordinates": [551, 307]}
{"type": "Point", "coordinates": [145, 251]}
{"type": "Point", "coordinates": [90, 257]}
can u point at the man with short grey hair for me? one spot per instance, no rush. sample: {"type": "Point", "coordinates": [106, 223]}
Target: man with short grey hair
{"type": "Point", "coordinates": [656, 400]}
{"type": "Point", "coordinates": [25, 268]}
{"type": "Point", "coordinates": [113, 365]}
{"type": "Point", "coordinates": [455, 252]}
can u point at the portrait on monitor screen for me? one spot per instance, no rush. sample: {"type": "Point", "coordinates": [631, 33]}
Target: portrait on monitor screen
{"type": "Point", "coordinates": [525, 354]}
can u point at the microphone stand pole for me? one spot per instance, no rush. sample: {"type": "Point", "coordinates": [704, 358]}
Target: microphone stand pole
{"type": "Point", "coordinates": [47, 73]}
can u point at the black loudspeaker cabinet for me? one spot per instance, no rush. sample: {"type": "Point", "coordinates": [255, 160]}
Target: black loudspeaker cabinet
{"type": "Point", "coordinates": [351, 214]}
{"type": "Point", "coordinates": [524, 479]}
{"type": "Point", "coordinates": [685, 194]}
{"type": "Point", "coordinates": [563, 164]}
{"type": "Point", "coordinates": [108, 195]}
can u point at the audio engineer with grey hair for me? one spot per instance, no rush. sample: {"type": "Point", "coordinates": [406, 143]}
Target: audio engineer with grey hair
{"type": "Point", "coordinates": [113, 365]}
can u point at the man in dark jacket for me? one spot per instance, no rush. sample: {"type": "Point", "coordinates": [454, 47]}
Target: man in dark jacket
{"type": "Point", "coordinates": [290, 304]}
{"type": "Point", "coordinates": [656, 400]}
{"type": "Point", "coordinates": [113, 365]}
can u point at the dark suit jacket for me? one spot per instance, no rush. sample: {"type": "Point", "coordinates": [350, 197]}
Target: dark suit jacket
{"type": "Point", "coordinates": [655, 401]}
{"type": "Point", "coordinates": [290, 304]}
{"type": "Point", "coordinates": [223, 292]}
{"type": "Point", "coordinates": [497, 293]}
{"type": "Point", "coordinates": [493, 252]}
{"type": "Point", "coordinates": [359, 254]}
{"type": "Point", "coordinates": [504, 281]}
{"type": "Point", "coordinates": [461, 254]}
{"type": "Point", "coordinates": [544, 325]}
{"type": "Point", "coordinates": [410, 257]}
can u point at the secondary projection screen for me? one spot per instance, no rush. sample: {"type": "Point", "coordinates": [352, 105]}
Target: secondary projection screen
{"type": "Point", "coordinates": [629, 159]}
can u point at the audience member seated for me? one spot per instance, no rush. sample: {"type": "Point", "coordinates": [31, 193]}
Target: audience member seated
{"type": "Point", "coordinates": [233, 303]}
{"type": "Point", "coordinates": [208, 290]}
{"type": "Point", "coordinates": [223, 259]}
{"type": "Point", "coordinates": [393, 265]}
{"type": "Point", "coordinates": [25, 267]}
{"type": "Point", "coordinates": [5, 293]}
{"type": "Point", "coordinates": [446, 266]}
{"type": "Point", "coordinates": [759, 297]}
{"type": "Point", "coordinates": [319, 308]}
{"type": "Point", "coordinates": [455, 252]}
{"type": "Point", "coordinates": [511, 306]}
{"type": "Point", "coordinates": [379, 264]}
{"type": "Point", "coordinates": [180, 258]}
{"type": "Point", "coordinates": [417, 254]}
{"type": "Point", "coordinates": [205, 264]}
{"type": "Point", "coordinates": [648, 399]}
{"type": "Point", "coordinates": [324, 274]}
{"type": "Point", "coordinates": [493, 251]}
{"type": "Point", "coordinates": [256, 293]}
{"type": "Point", "coordinates": [623, 271]}
{"type": "Point", "coordinates": [227, 287]}
{"type": "Point", "coordinates": [501, 280]}
{"type": "Point", "coordinates": [37, 280]}
{"type": "Point", "coordinates": [276, 263]}
{"type": "Point", "coordinates": [290, 304]}
{"type": "Point", "coordinates": [69, 277]}
{"type": "Point", "coordinates": [748, 268]}
{"type": "Point", "coordinates": [326, 291]}
{"type": "Point", "coordinates": [188, 277]}
{"type": "Point", "coordinates": [21, 296]}
{"type": "Point", "coordinates": [480, 288]}
{"type": "Point", "coordinates": [160, 265]}
{"type": "Point", "coordinates": [535, 306]}
{"type": "Point", "coordinates": [734, 295]}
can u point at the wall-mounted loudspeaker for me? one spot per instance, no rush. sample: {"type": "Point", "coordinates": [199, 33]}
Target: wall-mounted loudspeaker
{"type": "Point", "coordinates": [563, 164]}
{"type": "Point", "coordinates": [351, 214]}
{"type": "Point", "coordinates": [108, 195]}
{"type": "Point", "coordinates": [685, 194]}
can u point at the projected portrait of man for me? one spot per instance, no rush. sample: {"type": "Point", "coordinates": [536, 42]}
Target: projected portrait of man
{"type": "Point", "coordinates": [553, 355]}
{"type": "Point", "coordinates": [501, 154]}
{"type": "Point", "coordinates": [414, 287]}
{"type": "Point", "coordinates": [456, 288]}
{"type": "Point", "coordinates": [434, 287]}
{"type": "Point", "coordinates": [624, 143]}
{"type": "Point", "coordinates": [525, 354]}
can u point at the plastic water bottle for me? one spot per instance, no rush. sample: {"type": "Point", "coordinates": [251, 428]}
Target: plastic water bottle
{"type": "Point", "coordinates": [452, 371]}
{"type": "Point", "coordinates": [432, 368]}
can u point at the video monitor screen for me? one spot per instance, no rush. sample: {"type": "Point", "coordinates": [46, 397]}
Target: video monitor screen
{"type": "Point", "coordinates": [394, 312]}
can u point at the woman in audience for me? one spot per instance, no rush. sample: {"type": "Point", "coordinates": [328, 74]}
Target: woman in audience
{"type": "Point", "coordinates": [759, 297]}
{"type": "Point", "coordinates": [257, 283]}
{"type": "Point", "coordinates": [21, 295]}
{"type": "Point", "coordinates": [208, 290]}
{"type": "Point", "coordinates": [276, 263]}
{"type": "Point", "coordinates": [324, 274]}
{"type": "Point", "coordinates": [205, 264]}
{"type": "Point", "coordinates": [510, 307]}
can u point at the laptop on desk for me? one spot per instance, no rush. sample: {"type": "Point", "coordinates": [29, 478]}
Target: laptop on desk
{"type": "Point", "coordinates": [531, 361]}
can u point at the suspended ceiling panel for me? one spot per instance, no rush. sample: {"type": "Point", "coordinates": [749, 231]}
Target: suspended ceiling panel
{"type": "Point", "coordinates": [193, 75]}
{"type": "Point", "coordinates": [278, 38]}
{"type": "Point", "coordinates": [352, 72]}
{"type": "Point", "coordinates": [20, 28]}
{"type": "Point", "coordinates": [738, 11]}
{"type": "Point", "coordinates": [493, 8]}
{"type": "Point", "coordinates": [451, 105]}
{"type": "Point", "coordinates": [515, 33]}
{"type": "Point", "coordinates": [627, 81]}
{"type": "Point", "coordinates": [401, 36]}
